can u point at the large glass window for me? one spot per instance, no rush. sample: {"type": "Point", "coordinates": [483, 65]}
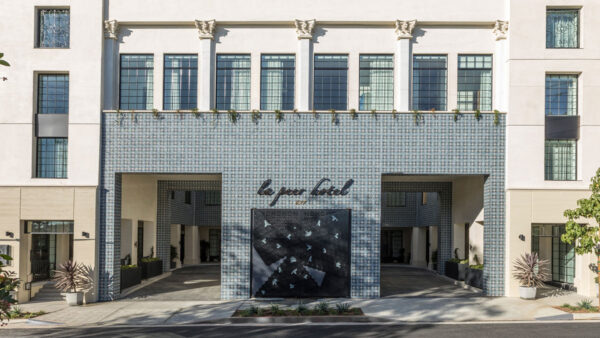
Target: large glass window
{"type": "Point", "coordinates": [561, 95]}
{"type": "Point", "coordinates": [277, 82]}
{"type": "Point", "coordinates": [180, 82]}
{"type": "Point", "coordinates": [563, 257]}
{"type": "Point", "coordinates": [233, 82]}
{"type": "Point", "coordinates": [53, 28]}
{"type": "Point", "coordinates": [561, 160]}
{"type": "Point", "coordinates": [474, 82]}
{"type": "Point", "coordinates": [136, 82]}
{"type": "Point", "coordinates": [331, 82]}
{"type": "Point", "coordinates": [562, 28]}
{"type": "Point", "coordinates": [376, 83]}
{"type": "Point", "coordinates": [53, 94]}
{"type": "Point", "coordinates": [430, 82]}
{"type": "Point", "coordinates": [49, 227]}
{"type": "Point", "coordinates": [51, 157]}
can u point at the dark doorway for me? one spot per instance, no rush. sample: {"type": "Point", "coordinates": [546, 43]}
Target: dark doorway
{"type": "Point", "coordinates": [182, 244]}
{"type": "Point", "coordinates": [43, 256]}
{"type": "Point", "coordinates": [140, 241]}
{"type": "Point", "coordinates": [392, 250]}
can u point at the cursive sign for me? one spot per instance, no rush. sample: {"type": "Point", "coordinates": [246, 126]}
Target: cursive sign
{"type": "Point", "coordinates": [320, 189]}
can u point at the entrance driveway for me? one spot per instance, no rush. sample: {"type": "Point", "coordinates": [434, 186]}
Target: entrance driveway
{"type": "Point", "coordinates": [408, 281]}
{"type": "Point", "coordinates": [198, 282]}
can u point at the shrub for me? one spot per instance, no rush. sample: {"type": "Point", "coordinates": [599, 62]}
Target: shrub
{"type": "Point", "coordinates": [531, 271]}
{"type": "Point", "coordinates": [322, 308]}
{"type": "Point", "coordinates": [342, 308]}
{"type": "Point", "coordinates": [301, 309]}
{"type": "Point", "coordinates": [585, 304]}
{"type": "Point", "coordinates": [127, 267]}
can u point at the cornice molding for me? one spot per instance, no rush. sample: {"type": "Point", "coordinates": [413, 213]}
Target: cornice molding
{"type": "Point", "coordinates": [305, 28]}
{"type": "Point", "coordinates": [111, 29]}
{"type": "Point", "coordinates": [404, 29]}
{"type": "Point", "coordinates": [206, 29]}
{"type": "Point", "coordinates": [500, 30]}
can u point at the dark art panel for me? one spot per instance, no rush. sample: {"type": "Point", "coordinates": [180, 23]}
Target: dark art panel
{"type": "Point", "coordinates": [301, 253]}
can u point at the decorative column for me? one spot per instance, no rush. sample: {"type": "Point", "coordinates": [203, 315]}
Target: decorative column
{"type": "Point", "coordinates": [111, 61]}
{"type": "Point", "coordinates": [404, 36]}
{"type": "Point", "coordinates": [501, 73]}
{"type": "Point", "coordinates": [304, 60]}
{"type": "Point", "coordinates": [206, 33]}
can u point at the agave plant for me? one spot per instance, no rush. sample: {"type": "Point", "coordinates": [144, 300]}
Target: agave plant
{"type": "Point", "coordinates": [531, 271]}
{"type": "Point", "coordinates": [73, 277]}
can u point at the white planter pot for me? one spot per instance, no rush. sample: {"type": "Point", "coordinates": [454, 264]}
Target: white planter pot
{"type": "Point", "coordinates": [74, 298]}
{"type": "Point", "coordinates": [527, 292]}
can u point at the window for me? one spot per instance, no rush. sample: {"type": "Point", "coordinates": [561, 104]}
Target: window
{"type": "Point", "coordinates": [212, 198]}
{"type": "Point", "coordinates": [474, 82]}
{"type": "Point", "coordinates": [395, 199]}
{"type": "Point", "coordinates": [233, 82]}
{"type": "Point", "coordinates": [331, 82]}
{"type": "Point", "coordinates": [535, 239]}
{"type": "Point", "coordinates": [563, 257]}
{"type": "Point", "coordinates": [562, 28]}
{"type": "Point", "coordinates": [51, 158]}
{"type": "Point", "coordinates": [561, 158]}
{"type": "Point", "coordinates": [277, 82]}
{"type": "Point", "coordinates": [180, 82]}
{"type": "Point", "coordinates": [5, 250]}
{"type": "Point", "coordinates": [49, 227]}
{"type": "Point", "coordinates": [53, 28]}
{"type": "Point", "coordinates": [136, 82]}
{"type": "Point", "coordinates": [53, 94]}
{"type": "Point", "coordinates": [188, 197]}
{"type": "Point", "coordinates": [376, 83]}
{"type": "Point", "coordinates": [561, 95]}
{"type": "Point", "coordinates": [430, 82]}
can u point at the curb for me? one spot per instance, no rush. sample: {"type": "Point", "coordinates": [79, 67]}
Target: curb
{"type": "Point", "coordinates": [298, 320]}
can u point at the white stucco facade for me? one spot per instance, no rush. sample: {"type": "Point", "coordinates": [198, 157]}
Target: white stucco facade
{"type": "Point", "coordinates": [520, 63]}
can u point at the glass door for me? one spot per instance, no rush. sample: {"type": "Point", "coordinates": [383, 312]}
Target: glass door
{"type": "Point", "coordinates": [563, 257]}
{"type": "Point", "coordinates": [43, 256]}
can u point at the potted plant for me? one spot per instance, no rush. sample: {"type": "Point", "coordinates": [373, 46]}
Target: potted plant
{"type": "Point", "coordinates": [151, 267]}
{"type": "Point", "coordinates": [73, 279]}
{"type": "Point", "coordinates": [130, 275]}
{"type": "Point", "coordinates": [474, 276]}
{"type": "Point", "coordinates": [173, 257]}
{"type": "Point", "coordinates": [531, 272]}
{"type": "Point", "coordinates": [452, 268]}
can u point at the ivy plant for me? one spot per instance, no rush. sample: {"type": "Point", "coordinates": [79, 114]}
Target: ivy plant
{"type": "Point", "coordinates": [155, 113]}
{"type": "Point", "coordinates": [233, 115]}
{"type": "Point", "coordinates": [496, 117]}
{"type": "Point", "coordinates": [353, 114]}
{"type": "Point", "coordinates": [215, 113]}
{"type": "Point", "coordinates": [394, 114]}
{"type": "Point", "coordinates": [195, 112]}
{"type": "Point", "coordinates": [255, 115]}
{"type": "Point", "coordinates": [578, 231]}
{"type": "Point", "coordinates": [416, 116]}
{"type": "Point", "coordinates": [457, 114]}
{"type": "Point", "coordinates": [278, 115]}
{"type": "Point", "coordinates": [334, 118]}
{"type": "Point", "coordinates": [478, 114]}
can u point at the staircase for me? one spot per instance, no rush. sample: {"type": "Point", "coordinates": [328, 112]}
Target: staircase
{"type": "Point", "coordinates": [48, 293]}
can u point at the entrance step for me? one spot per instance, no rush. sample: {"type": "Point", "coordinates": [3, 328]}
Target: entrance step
{"type": "Point", "coordinates": [48, 293]}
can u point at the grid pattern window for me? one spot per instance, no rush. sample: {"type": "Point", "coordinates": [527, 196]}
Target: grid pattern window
{"type": "Point", "coordinates": [330, 82]}
{"type": "Point", "coordinates": [180, 82]}
{"type": "Point", "coordinates": [376, 83]}
{"type": "Point", "coordinates": [54, 30]}
{"type": "Point", "coordinates": [188, 197]}
{"type": "Point", "coordinates": [233, 82]}
{"type": "Point", "coordinates": [51, 158]}
{"type": "Point", "coordinates": [474, 82]}
{"type": "Point", "coordinates": [5, 250]}
{"type": "Point", "coordinates": [49, 227]}
{"type": "Point", "coordinates": [563, 257]}
{"type": "Point", "coordinates": [430, 82]}
{"type": "Point", "coordinates": [136, 82]}
{"type": "Point", "coordinates": [535, 239]}
{"type": "Point", "coordinates": [395, 199]}
{"type": "Point", "coordinates": [214, 244]}
{"type": "Point", "coordinates": [561, 160]}
{"type": "Point", "coordinates": [561, 95]}
{"type": "Point", "coordinates": [277, 82]}
{"type": "Point", "coordinates": [562, 28]}
{"type": "Point", "coordinates": [212, 198]}
{"type": "Point", "coordinates": [53, 94]}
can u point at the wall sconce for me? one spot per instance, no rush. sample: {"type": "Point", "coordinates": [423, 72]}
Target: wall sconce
{"type": "Point", "coordinates": [85, 234]}
{"type": "Point", "coordinates": [10, 234]}
{"type": "Point", "coordinates": [522, 237]}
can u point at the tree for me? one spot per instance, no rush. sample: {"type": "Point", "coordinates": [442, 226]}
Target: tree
{"type": "Point", "coordinates": [8, 283]}
{"type": "Point", "coordinates": [585, 237]}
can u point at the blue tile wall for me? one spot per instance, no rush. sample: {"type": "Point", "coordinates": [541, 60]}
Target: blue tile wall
{"type": "Point", "coordinates": [297, 152]}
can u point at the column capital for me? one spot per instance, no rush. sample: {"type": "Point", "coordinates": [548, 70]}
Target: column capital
{"type": "Point", "coordinates": [111, 29]}
{"type": "Point", "coordinates": [500, 30]}
{"type": "Point", "coordinates": [404, 29]}
{"type": "Point", "coordinates": [305, 28]}
{"type": "Point", "coordinates": [206, 29]}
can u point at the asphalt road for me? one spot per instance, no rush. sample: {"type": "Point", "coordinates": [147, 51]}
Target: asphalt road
{"type": "Point", "coordinates": [541, 329]}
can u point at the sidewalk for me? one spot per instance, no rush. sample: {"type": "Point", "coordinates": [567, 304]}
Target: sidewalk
{"type": "Point", "coordinates": [400, 309]}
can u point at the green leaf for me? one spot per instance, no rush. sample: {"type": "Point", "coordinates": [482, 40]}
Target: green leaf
{"type": "Point", "coordinates": [4, 63]}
